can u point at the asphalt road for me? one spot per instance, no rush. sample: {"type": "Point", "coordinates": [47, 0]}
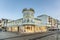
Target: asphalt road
{"type": "Point", "coordinates": [37, 36]}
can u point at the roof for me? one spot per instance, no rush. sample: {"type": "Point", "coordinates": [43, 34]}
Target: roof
{"type": "Point", "coordinates": [42, 15]}
{"type": "Point", "coordinates": [15, 20]}
{"type": "Point", "coordinates": [37, 19]}
{"type": "Point", "coordinates": [25, 9]}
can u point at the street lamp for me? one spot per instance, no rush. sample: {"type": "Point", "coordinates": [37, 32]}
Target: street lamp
{"type": "Point", "coordinates": [57, 30]}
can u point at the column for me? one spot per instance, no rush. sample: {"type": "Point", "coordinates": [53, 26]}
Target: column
{"type": "Point", "coordinates": [18, 28]}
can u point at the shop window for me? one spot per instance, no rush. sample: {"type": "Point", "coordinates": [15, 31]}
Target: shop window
{"type": "Point", "coordinates": [27, 27]}
{"type": "Point", "coordinates": [14, 29]}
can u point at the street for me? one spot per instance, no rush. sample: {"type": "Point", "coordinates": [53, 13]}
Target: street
{"type": "Point", "coordinates": [7, 35]}
{"type": "Point", "coordinates": [16, 36]}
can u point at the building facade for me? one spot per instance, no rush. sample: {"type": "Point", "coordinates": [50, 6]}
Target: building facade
{"type": "Point", "coordinates": [3, 24]}
{"type": "Point", "coordinates": [30, 24]}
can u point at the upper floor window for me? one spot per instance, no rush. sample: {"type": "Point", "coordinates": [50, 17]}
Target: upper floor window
{"type": "Point", "coordinates": [27, 20]}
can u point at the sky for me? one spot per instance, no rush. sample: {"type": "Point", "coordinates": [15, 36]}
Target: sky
{"type": "Point", "coordinates": [12, 9]}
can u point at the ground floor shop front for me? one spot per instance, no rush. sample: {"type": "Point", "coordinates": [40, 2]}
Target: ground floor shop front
{"type": "Point", "coordinates": [27, 29]}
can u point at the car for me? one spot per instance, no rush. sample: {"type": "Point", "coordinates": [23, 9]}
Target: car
{"type": "Point", "coordinates": [53, 29]}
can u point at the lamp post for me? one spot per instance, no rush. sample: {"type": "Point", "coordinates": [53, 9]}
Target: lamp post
{"type": "Point", "coordinates": [57, 31]}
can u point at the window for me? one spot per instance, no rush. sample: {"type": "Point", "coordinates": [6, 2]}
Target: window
{"type": "Point", "coordinates": [27, 20]}
{"type": "Point", "coordinates": [32, 21]}
{"type": "Point", "coordinates": [24, 20]}
{"type": "Point", "coordinates": [27, 27]}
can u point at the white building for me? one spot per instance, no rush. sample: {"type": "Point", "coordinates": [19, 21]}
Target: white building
{"type": "Point", "coordinates": [30, 24]}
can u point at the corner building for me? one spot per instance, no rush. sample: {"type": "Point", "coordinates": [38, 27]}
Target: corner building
{"type": "Point", "coordinates": [29, 24]}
